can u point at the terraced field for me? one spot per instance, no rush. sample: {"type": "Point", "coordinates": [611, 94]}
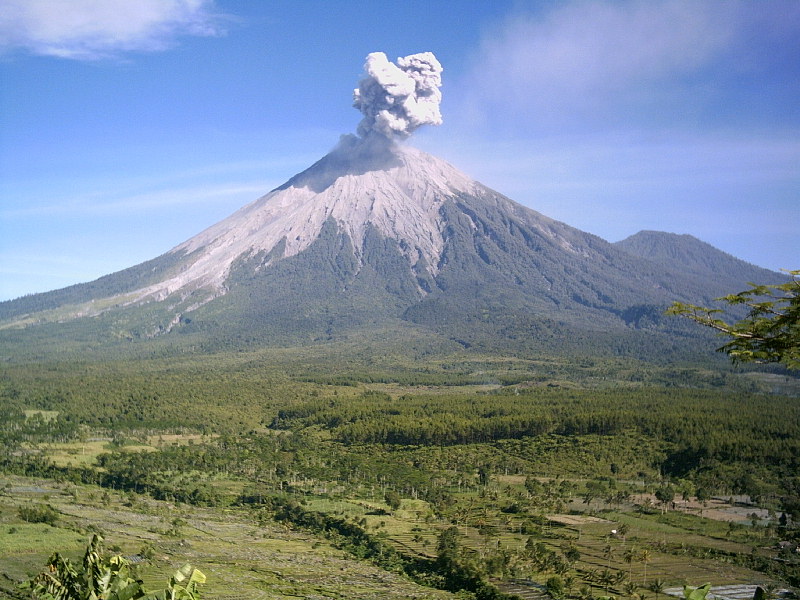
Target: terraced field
{"type": "Point", "coordinates": [242, 559]}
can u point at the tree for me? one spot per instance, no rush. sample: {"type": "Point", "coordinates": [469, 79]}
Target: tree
{"type": "Point", "coordinates": [645, 557]}
{"type": "Point", "coordinates": [572, 554]}
{"type": "Point", "coordinates": [107, 578]}
{"type": "Point", "coordinates": [629, 557]}
{"type": "Point", "coordinates": [484, 475]}
{"type": "Point", "coordinates": [447, 546]}
{"type": "Point", "coordinates": [606, 579]}
{"type": "Point", "coordinates": [657, 586]}
{"type": "Point", "coordinates": [392, 499]}
{"type": "Point", "coordinates": [38, 513]}
{"type": "Point", "coordinates": [771, 330]}
{"type": "Point", "coordinates": [608, 553]}
{"type": "Point", "coordinates": [555, 586]}
{"type": "Point", "coordinates": [665, 495]}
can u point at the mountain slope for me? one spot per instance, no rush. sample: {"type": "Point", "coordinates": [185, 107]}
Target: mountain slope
{"type": "Point", "coordinates": [377, 235]}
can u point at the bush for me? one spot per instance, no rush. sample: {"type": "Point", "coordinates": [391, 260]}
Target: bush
{"type": "Point", "coordinates": [392, 499]}
{"type": "Point", "coordinates": [105, 577]}
{"type": "Point", "coordinates": [555, 586]}
{"type": "Point", "coordinates": [38, 513]}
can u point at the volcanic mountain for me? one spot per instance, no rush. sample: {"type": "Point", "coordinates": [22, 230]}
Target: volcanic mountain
{"type": "Point", "coordinates": [378, 235]}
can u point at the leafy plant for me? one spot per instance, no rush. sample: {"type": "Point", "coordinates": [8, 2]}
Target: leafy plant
{"type": "Point", "coordinates": [555, 586]}
{"type": "Point", "coordinates": [38, 513]}
{"type": "Point", "coordinates": [107, 578]}
{"type": "Point", "coordinates": [698, 593]}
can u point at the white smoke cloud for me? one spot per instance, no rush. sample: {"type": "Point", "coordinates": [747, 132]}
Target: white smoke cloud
{"type": "Point", "coordinates": [398, 99]}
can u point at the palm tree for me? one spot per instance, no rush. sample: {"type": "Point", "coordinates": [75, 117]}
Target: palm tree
{"type": "Point", "coordinates": [657, 586]}
{"type": "Point", "coordinates": [645, 557]}
{"type": "Point", "coordinates": [629, 556]}
{"type": "Point", "coordinates": [770, 591]}
{"type": "Point", "coordinates": [572, 554]}
{"type": "Point", "coordinates": [569, 582]}
{"type": "Point", "coordinates": [608, 553]}
{"type": "Point", "coordinates": [622, 530]}
{"type": "Point", "coordinates": [606, 579]}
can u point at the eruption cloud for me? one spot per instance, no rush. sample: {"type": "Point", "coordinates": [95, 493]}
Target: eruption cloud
{"type": "Point", "coordinates": [398, 99]}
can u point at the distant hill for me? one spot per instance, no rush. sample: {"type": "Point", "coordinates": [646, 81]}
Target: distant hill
{"type": "Point", "coordinates": [694, 256]}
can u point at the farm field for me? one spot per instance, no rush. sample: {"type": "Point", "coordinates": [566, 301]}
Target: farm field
{"type": "Point", "coordinates": [241, 557]}
{"type": "Point", "coordinates": [246, 550]}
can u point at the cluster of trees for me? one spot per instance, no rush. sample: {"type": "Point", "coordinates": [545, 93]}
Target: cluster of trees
{"type": "Point", "coordinates": [410, 441]}
{"type": "Point", "coordinates": [18, 427]}
{"type": "Point", "coordinates": [753, 446]}
{"type": "Point", "coordinates": [422, 445]}
{"type": "Point", "coordinates": [215, 394]}
{"type": "Point", "coordinates": [449, 571]}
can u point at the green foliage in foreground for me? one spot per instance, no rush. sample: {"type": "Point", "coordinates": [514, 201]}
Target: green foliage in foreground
{"type": "Point", "coordinates": [102, 577]}
{"type": "Point", "coordinates": [698, 593]}
{"type": "Point", "coordinates": [771, 330]}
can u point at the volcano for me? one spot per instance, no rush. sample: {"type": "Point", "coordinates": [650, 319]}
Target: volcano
{"type": "Point", "coordinates": [378, 235]}
{"type": "Point", "coordinates": [380, 239]}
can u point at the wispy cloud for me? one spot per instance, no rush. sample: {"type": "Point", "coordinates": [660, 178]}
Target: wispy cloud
{"type": "Point", "coordinates": [607, 64]}
{"type": "Point", "coordinates": [96, 29]}
{"type": "Point", "coordinates": [109, 203]}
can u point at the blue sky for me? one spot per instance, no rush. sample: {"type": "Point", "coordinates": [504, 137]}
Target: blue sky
{"type": "Point", "coordinates": [128, 127]}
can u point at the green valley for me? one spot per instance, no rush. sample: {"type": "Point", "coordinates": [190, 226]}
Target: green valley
{"type": "Point", "coordinates": [297, 472]}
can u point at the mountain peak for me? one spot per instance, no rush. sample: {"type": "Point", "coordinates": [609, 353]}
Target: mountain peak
{"type": "Point", "coordinates": [363, 181]}
{"type": "Point", "coordinates": [377, 233]}
{"type": "Point", "coordinates": [694, 256]}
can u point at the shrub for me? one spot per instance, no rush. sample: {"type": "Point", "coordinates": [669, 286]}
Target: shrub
{"type": "Point", "coordinates": [38, 513]}
{"type": "Point", "coordinates": [555, 586]}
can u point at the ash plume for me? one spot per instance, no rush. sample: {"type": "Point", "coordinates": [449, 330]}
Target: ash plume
{"type": "Point", "coordinates": [396, 99]}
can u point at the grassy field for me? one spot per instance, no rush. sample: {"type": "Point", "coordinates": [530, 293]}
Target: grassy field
{"type": "Point", "coordinates": [248, 555]}
{"type": "Point", "coordinates": [242, 558]}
